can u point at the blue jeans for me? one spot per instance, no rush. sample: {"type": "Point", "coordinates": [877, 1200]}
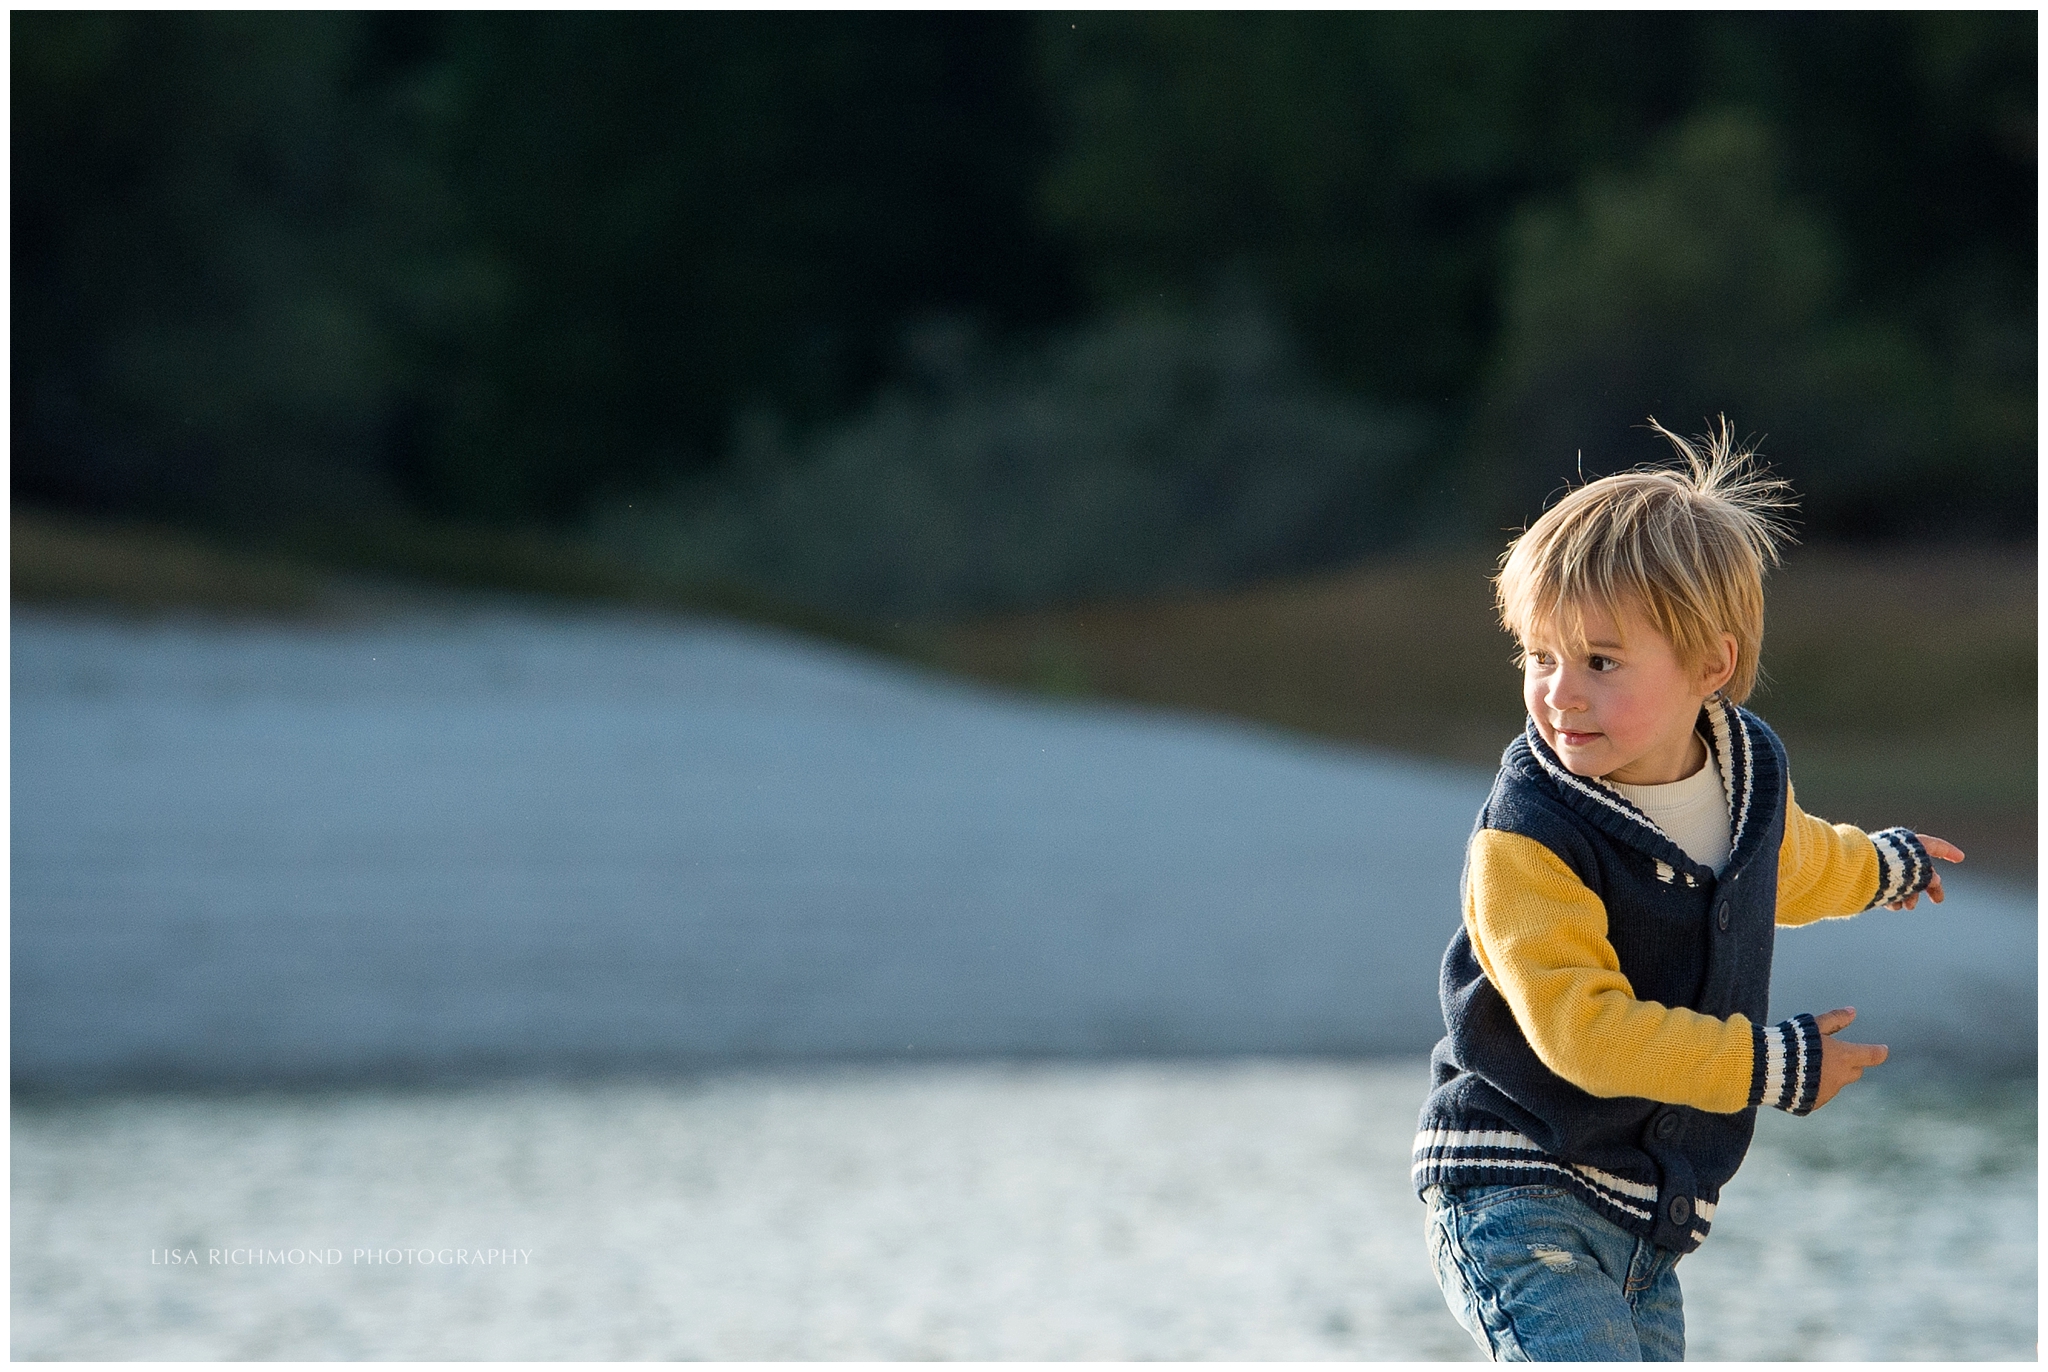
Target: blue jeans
{"type": "Point", "coordinates": [1535, 1275]}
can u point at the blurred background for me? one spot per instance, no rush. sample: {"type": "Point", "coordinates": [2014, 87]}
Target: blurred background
{"type": "Point", "coordinates": [830, 669]}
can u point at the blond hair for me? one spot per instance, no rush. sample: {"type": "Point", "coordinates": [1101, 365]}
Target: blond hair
{"type": "Point", "coordinates": [1686, 547]}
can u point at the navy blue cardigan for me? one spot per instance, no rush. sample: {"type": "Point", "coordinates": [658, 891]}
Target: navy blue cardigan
{"type": "Point", "coordinates": [1683, 937]}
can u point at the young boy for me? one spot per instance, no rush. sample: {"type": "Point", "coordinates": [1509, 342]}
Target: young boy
{"type": "Point", "coordinates": [1605, 998]}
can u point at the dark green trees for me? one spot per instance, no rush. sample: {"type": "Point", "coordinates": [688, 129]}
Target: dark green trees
{"type": "Point", "coordinates": [506, 267]}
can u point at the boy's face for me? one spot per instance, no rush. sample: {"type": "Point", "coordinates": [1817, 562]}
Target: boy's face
{"type": "Point", "coordinates": [1623, 707]}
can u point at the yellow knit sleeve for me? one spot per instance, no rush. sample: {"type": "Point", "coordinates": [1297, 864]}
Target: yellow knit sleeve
{"type": "Point", "coordinates": [1541, 938]}
{"type": "Point", "coordinates": [1825, 870]}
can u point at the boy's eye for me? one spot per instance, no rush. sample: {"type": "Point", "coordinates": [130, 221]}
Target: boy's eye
{"type": "Point", "coordinates": [1601, 664]}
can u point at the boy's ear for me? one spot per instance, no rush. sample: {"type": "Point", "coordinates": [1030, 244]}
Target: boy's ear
{"type": "Point", "coordinates": [1719, 671]}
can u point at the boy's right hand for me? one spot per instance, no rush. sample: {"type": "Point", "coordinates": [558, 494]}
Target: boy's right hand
{"type": "Point", "coordinates": [1840, 1062]}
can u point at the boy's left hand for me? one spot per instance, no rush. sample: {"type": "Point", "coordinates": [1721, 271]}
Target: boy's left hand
{"type": "Point", "coordinates": [1936, 847]}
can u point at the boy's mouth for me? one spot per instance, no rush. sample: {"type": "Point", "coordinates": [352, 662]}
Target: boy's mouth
{"type": "Point", "coordinates": [1572, 738]}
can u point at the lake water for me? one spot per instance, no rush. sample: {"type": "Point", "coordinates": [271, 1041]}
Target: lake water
{"type": "Point", "coordinates": [1239, 1210]}
{"type": "Point", "coordinates": [782, 1003]}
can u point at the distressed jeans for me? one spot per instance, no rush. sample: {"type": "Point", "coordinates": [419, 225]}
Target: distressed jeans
{"type": "Point", "coordinates": [1535, 1275]}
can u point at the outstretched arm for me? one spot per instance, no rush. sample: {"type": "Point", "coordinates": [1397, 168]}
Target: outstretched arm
{"type": "Point", "coordinates": [1826, 871]}
{"type": "Point", "coordinates": [1541, 937]}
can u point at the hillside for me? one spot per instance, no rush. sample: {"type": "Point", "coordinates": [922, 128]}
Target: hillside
{"type": "Point", "coordinates": [1903, 681]}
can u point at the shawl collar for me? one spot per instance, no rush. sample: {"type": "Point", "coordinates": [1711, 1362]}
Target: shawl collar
{"type": "Point", "coordinates": [1738, 744]}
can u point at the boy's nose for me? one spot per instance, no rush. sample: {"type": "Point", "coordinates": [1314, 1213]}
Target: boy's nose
{"type": "Point", "coordinates": [1562, 696]}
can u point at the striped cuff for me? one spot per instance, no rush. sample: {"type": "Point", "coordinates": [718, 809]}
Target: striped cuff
{"type": "Point", "coordinates": [1903, 867]}
{"type": "Point", "coordinates": [1786, 1075]}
